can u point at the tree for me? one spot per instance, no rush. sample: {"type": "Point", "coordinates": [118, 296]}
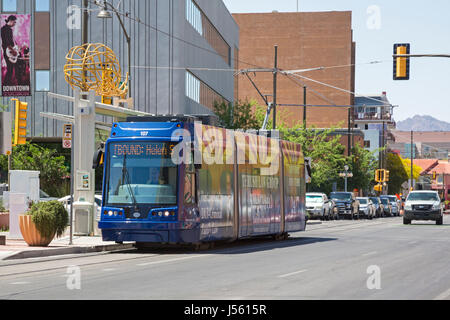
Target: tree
{"type": "Point", "coordinates": [237, 116]}
{"type": "Point", "coordinates": [53, 170]}
{"type": "Point", "coordinates": [363, 164]}
{"type": "Point", "coordinates": [400, 172]}
{"type": "Point", "coordinates": [326, 151]}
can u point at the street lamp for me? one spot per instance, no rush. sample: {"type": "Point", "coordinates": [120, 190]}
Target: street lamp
{"type": "Point", "coordinates": [346, 175]}
{"type": "Point", "coordinates": [105, 14]}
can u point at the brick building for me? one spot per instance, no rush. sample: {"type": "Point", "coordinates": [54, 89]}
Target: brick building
{"type": "Point", "coordinates": [305, 40]}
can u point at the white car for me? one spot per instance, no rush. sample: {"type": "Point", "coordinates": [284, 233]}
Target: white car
{"type": "Point", "coordinates": [319, 206]}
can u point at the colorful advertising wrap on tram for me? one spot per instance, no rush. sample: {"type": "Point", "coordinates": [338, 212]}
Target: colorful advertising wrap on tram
{"type": "Point", "coordinates": [185, 182]}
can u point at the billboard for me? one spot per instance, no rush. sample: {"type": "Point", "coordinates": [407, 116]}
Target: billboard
{"type": "Point", "coordinates": [15, 44]}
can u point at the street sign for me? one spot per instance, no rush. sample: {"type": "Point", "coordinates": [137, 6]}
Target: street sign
{"type": "Point", "coordinates": [67, 136]}
{"type": "Point", "coordinates": [67, 144]}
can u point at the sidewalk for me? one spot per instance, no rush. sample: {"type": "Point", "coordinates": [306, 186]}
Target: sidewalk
{"type": "Point", "coordinates": [18, 249]}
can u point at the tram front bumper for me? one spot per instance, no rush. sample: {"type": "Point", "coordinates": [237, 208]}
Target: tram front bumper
{"type": "Point", "coordinates": [137, 231]}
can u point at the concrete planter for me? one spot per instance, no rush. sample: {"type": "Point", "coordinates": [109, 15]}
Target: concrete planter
{"type": "Point", "coordinates": [4, 220]}
{"type": "Point", "coordinates": [31, 234]}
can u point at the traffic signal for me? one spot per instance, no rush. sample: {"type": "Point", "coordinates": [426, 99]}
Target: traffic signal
{"type": "Point", "coordinates": [386, 176]}
{"type": "Point", "coordinates": [401, 64]}
{"type": "Point", "coordinates": [378, 188]}
{"type": "Point", "coordinates": [107, 76]}
{"type": "Point", "coordinates": [20, 123]}
{"type": "Point", "coordinates": [434, 175]}
{"type": "Point", "coordinates": [380, 175]}
{"type": "Point", "coordinates": [5, 133]}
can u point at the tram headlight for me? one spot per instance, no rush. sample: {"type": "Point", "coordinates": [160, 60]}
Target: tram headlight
{"type": "Point", "coordinates": [160, 214]}
{"type": "Point", "coordinates": [167, 214]}
{"type": "Point", "coordinates": [110, 213]}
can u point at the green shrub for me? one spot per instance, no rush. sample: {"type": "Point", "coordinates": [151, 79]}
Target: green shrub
{"type": "Point", "coordinates": [2, 208]}
{"type": "Point", "coordinates": [49, 217]}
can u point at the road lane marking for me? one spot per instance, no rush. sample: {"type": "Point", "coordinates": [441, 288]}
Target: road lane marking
{"type": "Point", "coordinates": [370, 254]}
{"type": "Point", "coordinates": [109, 269]}
{"type": "Point", "coordinates": [20, 283]}
{"type": "Point", "coordinates": [443, 296]}
{"type": "Point", "coordinates": [292, 274]}
{"type": "Point", "coordinates": [171, 260]}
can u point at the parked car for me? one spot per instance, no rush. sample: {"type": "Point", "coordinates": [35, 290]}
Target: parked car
{"type": "Point", "coordinates": [395, 204]}
{"type": "Point", "coordinates": [366, 208]}
{"type": "Point", "coordinates": [424, 205]}
{"type": "Point", "coordinates": [378, 206]}
{"type": "Point", "coordinates": [346, 203]}
{"type": "Point", "coordinates": [387, 212]}
{"type": "Point", "coordinates": [318, 206]}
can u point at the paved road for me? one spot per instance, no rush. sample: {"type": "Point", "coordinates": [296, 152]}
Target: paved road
{"type": "Point", "coordinates": [329, 261]}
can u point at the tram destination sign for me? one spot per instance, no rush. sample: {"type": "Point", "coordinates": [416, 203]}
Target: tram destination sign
{"type": "Point", "coordinates": [142, 149]}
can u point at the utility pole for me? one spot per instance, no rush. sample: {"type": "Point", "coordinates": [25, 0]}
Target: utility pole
{"type": "Point", "coordinates": [384, 146]}
{"type": "Point", "coordinates": [349, 132]}
{"type": "Point", "coordinates": [304, 107]}
{"type": "Point", "coordinates": [412, 159]}
{"type": "Point", "coordinates": [275, 74]}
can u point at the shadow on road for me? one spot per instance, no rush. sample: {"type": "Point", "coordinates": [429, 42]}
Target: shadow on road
{"type": "Point", "coordinates": [237, 247]}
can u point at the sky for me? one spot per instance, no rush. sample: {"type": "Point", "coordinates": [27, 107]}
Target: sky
{"type": "Point", "coordinates": [377, 26]}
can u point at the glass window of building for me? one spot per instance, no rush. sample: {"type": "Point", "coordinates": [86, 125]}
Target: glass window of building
{"type": "Point", "coordinates": [201, 93]}
{"type": "Point", "coordinates": [206, 29]}
{"type": "Point", "coordinates": [42, 5]}
{"type": "Point", "coordinates": [9, 6]}
{"type": "Point", "coordinates": [192, 87]}
{"type": "Point", "coordinates": [43, 80]}
{"type": "Point", "coordinates": [194, 16]}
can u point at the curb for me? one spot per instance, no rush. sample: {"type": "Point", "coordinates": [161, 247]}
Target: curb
{"type": "Point", "coordinates": [65, 251]}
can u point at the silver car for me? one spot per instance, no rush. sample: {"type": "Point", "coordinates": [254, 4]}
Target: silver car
{"type": "Point", "coordinates": [367, 208]}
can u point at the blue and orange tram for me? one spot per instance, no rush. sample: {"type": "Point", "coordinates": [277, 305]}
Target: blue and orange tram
{"type": "Point", "coordinates": [181, 180]}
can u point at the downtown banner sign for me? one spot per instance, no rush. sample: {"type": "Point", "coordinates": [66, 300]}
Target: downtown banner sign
{"type": "Point", "coordinates": [16, 53]}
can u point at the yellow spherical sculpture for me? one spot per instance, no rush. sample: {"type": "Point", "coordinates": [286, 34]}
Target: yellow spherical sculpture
{"type": "Point", "coordinates": [94, 66]}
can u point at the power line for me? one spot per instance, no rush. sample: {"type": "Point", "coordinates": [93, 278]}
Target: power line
{"type": "Point", "coordinates": [339, 89]}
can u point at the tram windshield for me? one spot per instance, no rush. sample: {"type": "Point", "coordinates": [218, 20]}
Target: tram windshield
{"type": "Point", "coordinates": [141, 173]}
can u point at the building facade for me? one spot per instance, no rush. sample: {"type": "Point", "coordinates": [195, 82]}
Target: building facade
{"type": "Point", "coordinates": [182, 54]}
{"type": "Point", "coordinates": [373, 115]}
{"type": "Point", "coordinates": [305, 40]}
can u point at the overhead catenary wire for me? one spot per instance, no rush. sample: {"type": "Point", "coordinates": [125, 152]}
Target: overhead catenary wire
{"type": "Point", "coordinates": [384, 103]}
{"type": "Point", "coordinates": [292, 72]}
{"type": "Point", "coordinates": [138, 20]}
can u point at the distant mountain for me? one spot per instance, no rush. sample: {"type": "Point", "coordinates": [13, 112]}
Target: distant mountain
{"type": "Point", "coordinates": [423, 123]}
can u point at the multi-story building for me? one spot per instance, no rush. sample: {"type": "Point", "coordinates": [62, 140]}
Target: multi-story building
{"type": "Point", "coordinates": [373, 115]}
{"type": "Point", "coordinates": [182, 53]}
{"type": "Point", "coordinates": [305, 40]}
